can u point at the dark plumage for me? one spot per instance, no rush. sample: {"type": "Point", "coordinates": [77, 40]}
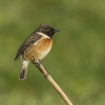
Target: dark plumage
{"type": "Point", "coordinates": [36, 46]}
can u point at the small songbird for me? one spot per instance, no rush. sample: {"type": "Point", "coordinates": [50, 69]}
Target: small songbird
{"type": "Point", "coordinates": [36, 46]}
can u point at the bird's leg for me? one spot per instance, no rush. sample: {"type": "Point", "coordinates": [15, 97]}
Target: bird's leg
{"type": "Point", "coordinates": [36, 62]}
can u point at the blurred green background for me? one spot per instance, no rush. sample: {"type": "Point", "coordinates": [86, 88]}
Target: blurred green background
{"type": "Point", "coordinates": [76, 61]}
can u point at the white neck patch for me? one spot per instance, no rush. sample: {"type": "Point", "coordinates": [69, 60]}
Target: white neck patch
{"type": "Point", "coordinates": [44, 35]}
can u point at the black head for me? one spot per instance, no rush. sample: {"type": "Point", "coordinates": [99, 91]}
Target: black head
{"type": "Point", "coordinates": [46, 29]}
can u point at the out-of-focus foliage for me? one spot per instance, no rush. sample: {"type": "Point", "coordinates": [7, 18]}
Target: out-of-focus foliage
{"type": "Point", "coordinates": [76, 61]}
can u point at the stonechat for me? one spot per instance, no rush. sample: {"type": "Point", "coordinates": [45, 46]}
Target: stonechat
{"type": "Point", "coordinates": [36, 46]}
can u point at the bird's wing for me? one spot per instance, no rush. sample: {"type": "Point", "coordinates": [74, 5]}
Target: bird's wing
{"type": "Point", "coordinates": [34, 37]}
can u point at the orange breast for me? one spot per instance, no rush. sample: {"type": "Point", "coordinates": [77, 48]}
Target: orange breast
{"type": "Point", "coordinates": [38, 50]}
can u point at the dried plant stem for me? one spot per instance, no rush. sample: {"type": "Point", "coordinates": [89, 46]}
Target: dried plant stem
{"type": "Point", "coordinates": [53, 83]}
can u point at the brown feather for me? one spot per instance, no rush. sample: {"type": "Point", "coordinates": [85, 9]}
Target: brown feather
{"type": "Point", "coordinates": [27, 43]}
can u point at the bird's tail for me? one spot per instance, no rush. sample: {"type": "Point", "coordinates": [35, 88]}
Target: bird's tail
{"type": "Point", "coordinates": [23, 73]}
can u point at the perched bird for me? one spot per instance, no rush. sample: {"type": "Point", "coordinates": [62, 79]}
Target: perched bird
{"type": "Point", "coordinates": [36, 46]}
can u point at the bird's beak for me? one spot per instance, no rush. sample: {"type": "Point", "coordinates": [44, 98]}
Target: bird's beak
{"type": "Point", "coordinates": [57, 30]}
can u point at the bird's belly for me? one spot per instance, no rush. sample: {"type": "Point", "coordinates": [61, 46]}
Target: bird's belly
{"type": "Point", "coordinates": [38, 50]}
